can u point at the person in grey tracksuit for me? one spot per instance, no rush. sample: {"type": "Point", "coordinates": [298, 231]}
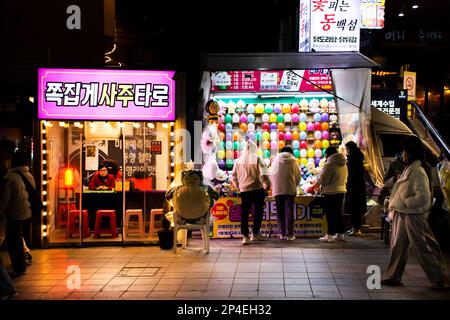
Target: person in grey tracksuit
{"type": "Point", "coordinates": [410, 202]}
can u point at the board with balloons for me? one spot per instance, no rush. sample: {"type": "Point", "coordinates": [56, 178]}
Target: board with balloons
{"type": "Point", "coordinates": [309, 125]}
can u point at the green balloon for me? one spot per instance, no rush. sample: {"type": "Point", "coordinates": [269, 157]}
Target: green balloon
{"type": "Point", "coordinates": [266, 153]}
{"type": "Point", "coordinates": [258, 136]}
{"type": "Point", "coordinates": [236, 145]}
{"type": "Point", "coordinates": [228, 118]}
{"type": "Point", "coordinates": [296, 153]}
{"type": "Point", "coordinates": [229, 163]}
{"type": "Point", "coordinates": [280, 118]}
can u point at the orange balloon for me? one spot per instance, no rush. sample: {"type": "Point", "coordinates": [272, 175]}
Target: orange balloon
{"type": "Point", "coordinates": [281, 144]}
{"type": "Point", "coordinates": [235, 136]}
{"type": "Point", "coordinates": [295, 135]}
{"type": "Point", "coordinates": [280, 126]}
{"type": "Point", "coordinates": [325, 126]}
{"type": "Point", "coordinates": [243, 127]}
{"type": "Point", "coordinates": [317, 144]}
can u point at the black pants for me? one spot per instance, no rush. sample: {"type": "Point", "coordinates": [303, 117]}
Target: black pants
{"type": "Point", "coordinates": [26, 232]}
{"type": "Point", "coordinates": [333, 210]}
{"type": "Point", "coordinates": [285, 212]}
{"type": "Point", "coordinates": [14, 243]}
{"type": "Point", "coordinates": [255, 198]}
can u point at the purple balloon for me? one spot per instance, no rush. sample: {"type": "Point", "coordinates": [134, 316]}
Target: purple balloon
{"type": "Point", "coordinates": [273, 126]}
{"type": "Point", "coordinates": [317, 161]}
{"type": "Point", "coordinates": [310, 126]}
{"type": "Point", "coordinates": [325, 117]}
{"type": "Point", "coordinates": [251, 135]}
{"type": "Point", "coordinates": [325, 135]}
{"type": "Point", "coordinates": [228, 136]}
{"type": "Point", "coordinates": [221, 164]}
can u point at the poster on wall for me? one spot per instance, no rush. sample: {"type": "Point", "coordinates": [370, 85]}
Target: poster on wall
{"type": "Point", "coordinates": [372, 14]}
{"type": "Point", "coordinates": [335, 25]}
{"type": "Point", "coordinates": [91, 156]}
{"type": "Point", "coordinates": [308, 216]}
{"type": "Point", "coordinates": [391, 102]}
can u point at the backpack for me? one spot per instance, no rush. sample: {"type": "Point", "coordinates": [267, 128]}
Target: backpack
{"type": "Point", "coordinates": [36, 204]}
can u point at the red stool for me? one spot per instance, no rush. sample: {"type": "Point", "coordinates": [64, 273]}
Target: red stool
{"type": "Point", "coordinates": [111, 214]}
{"type": "Point", "coordinates": [63, 210]}
{"type": "Point", "coordinates": [73, 223]}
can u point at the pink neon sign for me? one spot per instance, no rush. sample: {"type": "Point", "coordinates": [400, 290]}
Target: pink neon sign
{"type": "Point", "coordinates": [94, 94]}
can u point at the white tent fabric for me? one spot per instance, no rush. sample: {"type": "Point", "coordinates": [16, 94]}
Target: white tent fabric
{"type": "Point", "coordinates": [384, 123]}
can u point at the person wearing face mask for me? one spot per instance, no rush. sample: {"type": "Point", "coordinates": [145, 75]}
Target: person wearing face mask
{"type": "Point", "coordinates": [409, 205]}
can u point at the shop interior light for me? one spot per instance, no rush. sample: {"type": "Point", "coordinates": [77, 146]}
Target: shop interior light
{"type": "Point", "coordinates": [44, 161]}
{"type": "Point", "coordinates": [172, 154]}
{"type": "Point", "coordinates": [172, 174]}
{"type": "Point", "coordinates": [151, 125]}
{"type": "Point", "coordinates": [44, 151]}
{"type": "Point", "coordinates": [44, 213]}
{"type": "Point", "coordinates": [172, 124]}
{"type": "Point", "coordinates": [172, 134]}
{"type": "Point", "coordinates": [77, 124]}
{"type": "Point", "coordinates": [136, 125]}
{"type": "Point", "coordinates": [44, 141]}
{"type": "Point", "coordinates": [165, 126]}
{"type": "Point", "coordinates": [401, 14]}
{"type": "Point", "coordinates": [44, 227]}
{"type": "Point", "coordinates": [107, 125]}
{"type": "Point", "coordinates": [172, 144]}
{"type": "Point", "coordinates": [68, 177]}
{"type": "Point", "coordinates": [44, 234]}
{"type": "Point", "coordinates": [44, 131]}
{"type": "Point", "coordinates": [121, 125]}
{"type": "Point", "coordinates": [92, 124]}
{"type": "Point", "coordinates": [172, 164]}
{"type": "Point", "coordinates": [415, 6]}
{"type": "Point", "coordinates": [44, 193]}
{"type": "Point", "coordinates": [31, 99]}
{"type": "Point", "coordinates": [44, 172]}
{"type": "Point", "coordinates": [44, 182]}
{"type": "Point", "coordinates": [62, 123]}
{"type": "Point", "coordinates": [44, 203]}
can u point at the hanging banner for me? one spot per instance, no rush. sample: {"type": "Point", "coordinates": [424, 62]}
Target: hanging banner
{"type": "Point", "coordinates": [304, 28]}
{"type": "Point", "coordinates": [335, 25]}
{"type": "Point", "coordinates": [309, 218]}
{"type": "Point", "coordinates": [121, 95]}
{"type": "Point", "coordinates": [372, 14]}
{"type": "Point", "coordinates": [272, 81]}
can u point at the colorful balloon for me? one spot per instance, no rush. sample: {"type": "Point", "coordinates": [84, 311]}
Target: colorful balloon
{"type": "Point", "coordinates": [229, 145]}
{"type": "Point", "coordinates": [317, 135]}
{"type": "Point", "coordinates": [302, 126]}
{"type": "Point", "coordinates": [317, 126]}
{"type": "Point", "coordinates": [228, 127]}
{"type": "Point", "coordinates": [296, 153]}
{"type": "Point", "coordinates": [287, 135]}
{"type": "Point", "coordinates": [273, 136]}
{"type": "Point", "coordinates": [303, 135]}
{"type": "Point", "coordinates": [317, 117]}
{"type": "Point", "coordinates": [251, 135]}
{"type": "Point", "coordinates": [265, 117]}
{"type": "Point", "coordinates": [243, 126]}
{"type": "Point", "coordinates": [266, 145]}
{"type": "Point", "coordinates": [303, 161]}
{"type": "Point", "coordinates": [221, 119]}
{"type": "Point", "coordinates": [231, 106]}
{"type": "Point", "coordinates": [317, 144]}
{"type": "Point", "coordinates": [266, 136]}
{"type": "Point", "coordinates": [236, 154]}
{"type": "Point", "coordinates": [243, 118]}
{"type": "Point", "coordinates": [273, 126]}
{"type": "Point", "coordinates": [286, 108]}
{"type": "Point", "coordinates": [273, 145]}
{"type": "Point", "coordinates": [317, 161]}
{"type": "Point", "coordinates": [280, 118]}
{"type": "Point", "coordinates": [221, 136]}
{"type": "Point", "coordinates": [259, 152]}
{"type": "Point", "coordinates": [325, 117]}
{"type": "Point", "coordinates": [236, 145]}
{"type": "Point", "coordinates": [221, 127]}
{"type": "Point", "coordinates": [281, 144]}
{"type": "Point", "coordinates": [280, 126]}
{"type": "Point", "coordinates": [303, 153]}
{"type": "Point", "coordinates": [295, 144]}
{"type": "Point", "coordinates": [295, 117]}
{"type": "Point", "coordinates": [281, 136]}
{"type": "Point", "coordinates": [310, 153]}
{"type": "Point", "coordinates": [236, 118]}
{"type": "Point", "coordinates": [265, 126]}
{"type": "Point", "coordinates": [295, 135]}
{"type": "Point", "coordinates": [251, 118]}
{"type": "Point", "coordinates": [303, 144]}
{"type": "Point", "coordinates": [230, 154]}
{"type": "Point", "coordinates": [250, 108]}
{"type": "Point", "coordinates": [273, 117]}
{"type": "Point", "coordinates": [268, 108]}
{"type": "Point", "coordinates": [303, 117]}
{"type": "Point", "coordinates": [325, 135]}
{"type": "Point", "coordinates": [258, 136]}
{"type": "Point", "coordinates": [266, 153]}
{"type": "Point", "coordinates": [236, 136]}
{"type": "Point", "coordinates": [277, 108]}
{"type": "Point", "coordinates": [318, 153]}
{"type": "Point", "coordinates": [287, 117]}
{"type": "Point", "coordinates": [228, 118]}
{"type": "Point", "coordinates": [221, 154]}
{"type": "Point", "coordinates": [259, 108]}
{"type": "Point", "coordinates": [229, 136]}
{"type": "Point", "coordinates": [325, 144]}
{"type": "Point", "coordinates": [221, 164]}
{"type": "Point", "coordinates": [295, 108]}
{"type": "Point", "coordinates": [325, 126]}
{"type": "Point", "coordinates": [251, 127]}
{"type": "Point", "coordinates": [229, 164]}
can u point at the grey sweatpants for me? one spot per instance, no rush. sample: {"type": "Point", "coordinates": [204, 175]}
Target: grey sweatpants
{"type": "Point", "coordinates": [413, 230]}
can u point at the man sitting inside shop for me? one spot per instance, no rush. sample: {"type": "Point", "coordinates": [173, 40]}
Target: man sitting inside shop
{"type": "Point", "coordinates": [102, 179]}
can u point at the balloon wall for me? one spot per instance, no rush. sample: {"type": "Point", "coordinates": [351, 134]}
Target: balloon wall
{"type": "Point", "coordinates": [308, 125]}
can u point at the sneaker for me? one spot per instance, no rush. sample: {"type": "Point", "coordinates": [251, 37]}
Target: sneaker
{"type": "Point", "coordinates": [257, 237]}
{"type": "Point", "coordinates": [326, 238]}
{"type": "Point", "coordinates": [28, 258]}
{"type": "Point", "coordinates": [290, 238]}
{"type": "Point", "coordinates": [391, 283]}
{"type": "Point", "coordinates": [245, 241]}
{"type": "Point", "coordinates": [282, 237]}
{"type": "Point", "coordinates": [354, 233]}
{"type": "Point", "coordinates": [339, 237]}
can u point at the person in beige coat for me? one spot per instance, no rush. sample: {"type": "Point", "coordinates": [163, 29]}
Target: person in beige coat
{"type": "Point", "coordinates": [333, 180]}
{"type": "Point", "coordinates": [410, 202]}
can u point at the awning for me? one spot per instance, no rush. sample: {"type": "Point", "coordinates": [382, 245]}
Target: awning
{"type": "Point", "coordinates": [285, 61]}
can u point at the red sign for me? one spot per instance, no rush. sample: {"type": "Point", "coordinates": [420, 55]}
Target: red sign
{"type": "Point", "coordinates": [272, 81]}
{"type": "Point", "coordinates": [156, 147]}
{"type": "Point", "coordinates": [219, 211]}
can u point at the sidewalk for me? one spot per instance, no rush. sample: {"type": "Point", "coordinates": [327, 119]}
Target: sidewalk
{"type": "Point", "coordinates": [273, 269]}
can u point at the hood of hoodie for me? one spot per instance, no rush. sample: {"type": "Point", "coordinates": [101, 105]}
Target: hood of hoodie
{"type": "Point", "coordinates": [337, 159]}
{"type": "Point", "coordinates": [286, 157]}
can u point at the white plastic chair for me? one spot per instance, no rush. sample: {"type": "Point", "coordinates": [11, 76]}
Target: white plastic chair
{"type": "Point", "coordinates": [202, 225]}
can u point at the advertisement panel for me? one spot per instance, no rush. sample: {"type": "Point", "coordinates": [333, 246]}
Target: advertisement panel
{"type": "Point", "coordinates": [409, 83]}
{"type": "Point", "coordinates": [272, 81]}
{"type": "Point", "coordinates": [304, 28]}
{"type": "Point", "coordinates": [391, 102]}
{"type": "Point", "coordinates": [309, 218]}
{"type": "Point", "coordinates": [335, 25]}
{"type": "Point", "coordinates": [92, 94]}
{"type": "Point", "coordinates": [372, 14]}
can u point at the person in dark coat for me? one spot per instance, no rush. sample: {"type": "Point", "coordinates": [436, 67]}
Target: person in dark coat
{"type": "Point", "coordinates": [355, 198]}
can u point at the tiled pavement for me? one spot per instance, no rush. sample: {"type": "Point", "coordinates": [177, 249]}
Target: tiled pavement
{"type": "Point", "coordinates": [301, 269]}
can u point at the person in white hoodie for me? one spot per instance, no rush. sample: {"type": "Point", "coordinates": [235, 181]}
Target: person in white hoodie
{"type": "Point", "coordinates": [284, 178]}
{"type": "Point", "coordinates": [410, 203]}
{"type": "Point", "coordinates": [333, 180]}
{"type": "Point", "coordinates": [250, 176]}
{"type": "Point", "coordinates": [15, 205]}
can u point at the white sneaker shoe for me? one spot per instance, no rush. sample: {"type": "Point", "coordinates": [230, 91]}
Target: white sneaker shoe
{"type": "Point", "coordinates": [327, 238]}
{"type": "Point", "coordinates": [339, 237]}
{"type": "Point", "coordinates": [245, 241]}
{"type": "Point", "coordinates": [282, 237]}
{"type": "Point", "coordinates": [257, 237]}
{"type": "Point", "coordinates": [290, 238]}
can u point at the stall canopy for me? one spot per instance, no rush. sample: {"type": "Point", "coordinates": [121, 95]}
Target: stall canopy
{"type": "Point", "coordinates": [351, 76]}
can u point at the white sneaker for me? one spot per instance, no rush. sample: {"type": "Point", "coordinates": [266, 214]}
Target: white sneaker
{"type": "Point", "coordinates": [245, 241]}
{"type": "Point", "coordinates": [339, 237]}
{"type": "Point", "coordinates": [257, 237]}
{"type": "Point", "coordinates": [290, 238]}
{"type": "Point", "coordinates": [326, 238]}
{"type": "Point", "coordinates": [282, 237]}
